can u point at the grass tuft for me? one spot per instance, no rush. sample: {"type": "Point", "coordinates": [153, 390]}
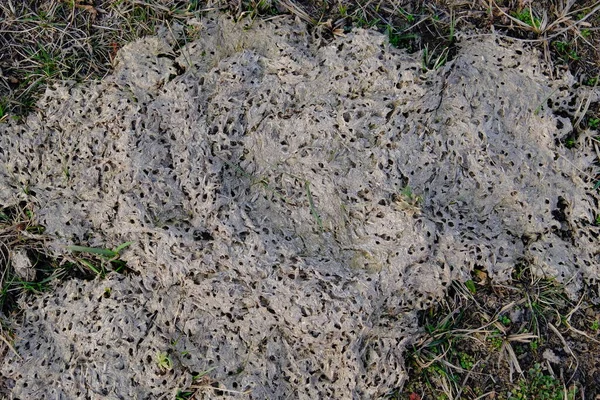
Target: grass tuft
{"type": "Point", "coordinates": [503, 340]}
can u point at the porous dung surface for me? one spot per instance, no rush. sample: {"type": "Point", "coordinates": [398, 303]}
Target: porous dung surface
{"type": "Point", "coordinates": [291, 204]}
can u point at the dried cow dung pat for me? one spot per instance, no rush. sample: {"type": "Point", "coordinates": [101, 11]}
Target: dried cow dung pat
{"type": "Point", "coordinates": [290, 207]}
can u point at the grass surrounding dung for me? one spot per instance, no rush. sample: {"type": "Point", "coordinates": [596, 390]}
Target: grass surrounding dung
{"type": "Point", "coordinates": [46, 41]}
{"type": "Point", "coordinates": [525, 340]}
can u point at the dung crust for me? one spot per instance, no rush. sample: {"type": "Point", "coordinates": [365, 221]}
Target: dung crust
{"type": "Point", "coordinates": [291, 207]}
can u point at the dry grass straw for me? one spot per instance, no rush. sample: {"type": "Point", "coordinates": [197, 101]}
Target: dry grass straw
{"type": "Point", "coordinates": [566, 21]}
{"type": "Point", "coordinates": [475, 322]}
{"type": "Point", "coordinates": [44, 42]}
{"type": "Point", "coordinates": [80, 38]}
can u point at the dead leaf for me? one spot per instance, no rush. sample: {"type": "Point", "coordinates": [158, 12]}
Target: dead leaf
{"type": "Point", "coordinates": [91, 9]}
{"type": "Point", "coordinates": [482, 276]}
{"type": "Point", "coordinates": [338, 32]}
{"type": "Point", "coordinates": [87, 6]}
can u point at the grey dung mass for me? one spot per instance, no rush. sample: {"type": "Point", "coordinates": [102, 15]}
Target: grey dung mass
{"type": "Point", "coordinates": [291, 204]}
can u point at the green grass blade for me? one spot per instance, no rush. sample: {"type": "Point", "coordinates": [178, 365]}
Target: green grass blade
{"type": "Point", "coordinates": [91, 266]}
{"type": "Point", "coordinates": [471, 286]}
{"type": "Point", "coordinates": [121, 247]}
{"type": "Point", "coordinates": [94, 250]}
{"type": "Point", "coordinates": [203, 373]}
{"type": "Point", "coordinates": [313, 210]}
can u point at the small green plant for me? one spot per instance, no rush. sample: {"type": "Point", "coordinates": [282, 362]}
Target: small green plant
{"type": "Point", "coordinates": [527, 17]}
{"type": "Point", "coordinates": [570, 143]}
{"type": "Point", "coordinates": [565, 51]}
{"type": "Point", "coordinates": [534, 345]}
{"type": "Point", "coordinates": [466, 361]}
{"type": "Point", "coordinates": [3, 110]}
{"type": "Point", "coordinates": [46, 63]}
{"type": "Point", "coordinates": [595, 326]}
{"type": "Point", "coordinates": [410, 196]}
{"type": "Point", "coordinates": [540, 386]}
{"type": "Point", "coordinates": [561, 46]}
{"type": "Point", "coordinates": [594, 123]}
{"type": "Point", "coordinates": [364, 22]}
{"type": "Point", "coordinates": [163, 361]}
{"type": "Point", "coordinates": [496, 339]}
{"type": "Point", "coordinates": [409, 17]}
{"type": "Point", "coordinates": [407, 201]}
{"type": "Point", "coordinates": [396, 39]}
{"type": "Point", "coordinates": [586, 33]}
{"type": "Point", "coordinates": [504, 320]}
